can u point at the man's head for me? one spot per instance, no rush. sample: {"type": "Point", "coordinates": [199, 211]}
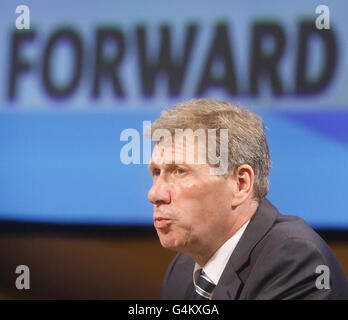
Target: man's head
{"type": "Point", "coordinates": [195, 211]}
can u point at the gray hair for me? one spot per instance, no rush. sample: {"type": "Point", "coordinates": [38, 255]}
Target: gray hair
{"type": "Point", "coordinates": [247, 142]}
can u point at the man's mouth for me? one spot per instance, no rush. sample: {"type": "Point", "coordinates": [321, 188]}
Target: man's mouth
{"type": "Point", "coordinates": [161, 223]}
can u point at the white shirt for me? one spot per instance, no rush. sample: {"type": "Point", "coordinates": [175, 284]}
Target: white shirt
{"type": "Point", "coordinates": [217, 263]}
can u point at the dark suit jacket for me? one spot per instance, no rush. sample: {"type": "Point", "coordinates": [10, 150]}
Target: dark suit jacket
{"type": "Point", "coordinates": [276, 258]}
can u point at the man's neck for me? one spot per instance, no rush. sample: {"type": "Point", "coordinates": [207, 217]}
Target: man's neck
{"type": "Point", "coordinates": [205, 253]}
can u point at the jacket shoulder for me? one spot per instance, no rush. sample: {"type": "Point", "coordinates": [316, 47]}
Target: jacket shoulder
{"type": "Point", "coordinates": [177, 277]}
{"type": "Point", "coordinates": [284, 264]}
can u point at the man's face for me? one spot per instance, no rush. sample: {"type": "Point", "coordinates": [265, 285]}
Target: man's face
{"type": "Point", "coordinates": [191, 207]}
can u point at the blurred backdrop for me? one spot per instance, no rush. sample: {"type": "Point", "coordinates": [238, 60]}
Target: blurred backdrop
{"type": "Point", "coordinates": [80, 80]}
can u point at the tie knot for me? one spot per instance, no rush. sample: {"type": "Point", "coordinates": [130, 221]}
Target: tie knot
{"type": "Point", "coordinates": [204, 285]}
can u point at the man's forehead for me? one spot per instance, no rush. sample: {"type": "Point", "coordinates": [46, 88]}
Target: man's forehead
{"type": "Point", "coordinates": [182, 152]}
{"type": "Point", "coordinates": [164, 151]}
{"type": "Point", "coordinates": [162, 146]}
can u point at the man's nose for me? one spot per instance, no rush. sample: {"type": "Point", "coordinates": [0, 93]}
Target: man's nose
{"type": "Point", "coordinates": [159, 192]}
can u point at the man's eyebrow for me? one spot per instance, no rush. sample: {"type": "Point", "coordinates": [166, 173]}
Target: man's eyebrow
{"type": "Point", "coordinates": [153, 165]}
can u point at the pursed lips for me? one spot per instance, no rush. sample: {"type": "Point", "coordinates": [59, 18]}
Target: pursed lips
{"type": "Point", "coordinates": [161, 222]}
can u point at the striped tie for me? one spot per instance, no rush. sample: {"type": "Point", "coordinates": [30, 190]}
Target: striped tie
{"type": "Point", "coordinates": [204, 287]}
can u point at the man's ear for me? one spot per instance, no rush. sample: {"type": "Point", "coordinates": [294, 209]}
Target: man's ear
{"type": "Point", "coordinates": [243, 182]}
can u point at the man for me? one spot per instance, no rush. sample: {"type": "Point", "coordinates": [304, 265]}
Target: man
{"type": "Point", "coordinates": [232, 242]}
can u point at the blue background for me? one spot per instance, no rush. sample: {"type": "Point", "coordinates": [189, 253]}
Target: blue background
{"type": "Point", "coordinates": [60, 160]}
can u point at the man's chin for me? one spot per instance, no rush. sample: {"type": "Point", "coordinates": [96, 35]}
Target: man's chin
{"type": "Point", "coordinates": [171, 248]}
{"type": "Point", "coordinates": [168, 243]}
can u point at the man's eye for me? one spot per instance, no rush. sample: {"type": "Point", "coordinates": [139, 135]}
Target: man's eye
{"type": "Point", "coordinates": [180, 171]}
{"type": "Point", "coordinates": [156, 172]}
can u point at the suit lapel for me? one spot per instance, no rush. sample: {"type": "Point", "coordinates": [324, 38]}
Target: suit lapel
{"type": "Point", "coordinates": [259, 225]}
{"type": "Point", "coordinates": [228, 286]}
{"type": "Point", "coordinates": [185, 269]}
{"type": "Point", "coordinates": [230, 283]}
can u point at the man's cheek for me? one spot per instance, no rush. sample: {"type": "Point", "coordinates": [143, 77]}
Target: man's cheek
{"type": "Point", "coordinates": [176, 232]}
